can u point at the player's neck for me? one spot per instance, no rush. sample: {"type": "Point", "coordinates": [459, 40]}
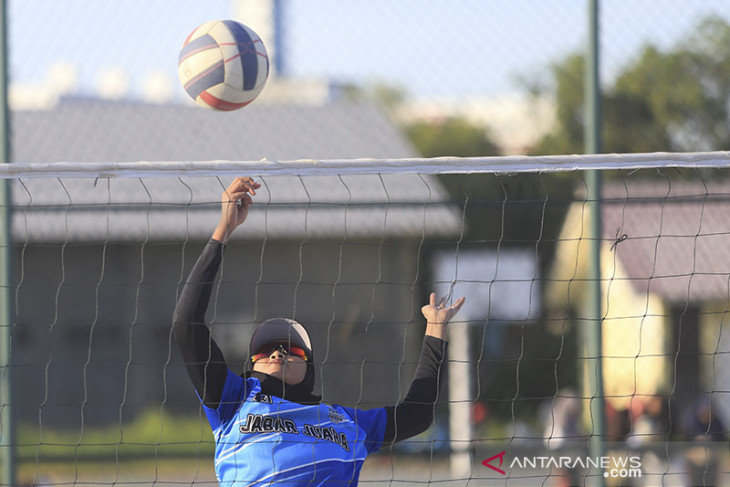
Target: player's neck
{"type": "Point", "coordinates": [299, 393]}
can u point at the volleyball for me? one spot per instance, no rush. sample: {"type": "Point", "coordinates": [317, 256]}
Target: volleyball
{"type": "Point", "coordinates": [223, 65]}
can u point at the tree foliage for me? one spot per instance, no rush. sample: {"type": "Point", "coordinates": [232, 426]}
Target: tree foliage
{"type": "Point", "coordinates": [676, 100]}
{"type": "Point", "coordinates": [451, 136]}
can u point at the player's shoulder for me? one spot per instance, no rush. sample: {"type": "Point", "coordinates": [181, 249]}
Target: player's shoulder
{"type": "Point", "coordinates": [336, 409]}
{"type": "Point", "coordinates": [239, 386]}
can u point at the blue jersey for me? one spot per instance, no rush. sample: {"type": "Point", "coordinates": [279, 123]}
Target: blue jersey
{"type": "Point", "coordinates": [263, 440]}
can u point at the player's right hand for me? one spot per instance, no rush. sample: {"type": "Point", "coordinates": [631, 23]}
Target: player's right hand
{"type": "Point", "coordinates": [235, 203]}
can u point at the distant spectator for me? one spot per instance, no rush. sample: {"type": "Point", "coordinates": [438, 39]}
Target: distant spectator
{"type": "Point", "coordinates": [562, 421]}
{"type": "Point", "coordinates": [649, 428]}
{"type": "Point", "coordinates": [649, 421]}
{"type": "Point", "coordinates": [702, 424]}
{"type": "Point", "coordinates": [562, 429]}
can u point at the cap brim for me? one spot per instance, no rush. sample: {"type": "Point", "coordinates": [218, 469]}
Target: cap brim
{"type": "Point", "coordinates": [280, 329]}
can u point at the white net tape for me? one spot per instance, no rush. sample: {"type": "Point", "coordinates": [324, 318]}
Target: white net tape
{"type": "Point", "coordinates": [436, 165]}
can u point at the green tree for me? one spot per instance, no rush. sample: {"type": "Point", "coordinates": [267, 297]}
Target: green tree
{"type": "Point", "coordinates": [567, 134]}
{"type": "Point", "coordinates": [663, 101]}
{"type": "Point", "coordinates": [452, 136]}
{"type": "Point", "coordinates": [500, 210]}
{"type": "Point", "coordinates": [686, 90]}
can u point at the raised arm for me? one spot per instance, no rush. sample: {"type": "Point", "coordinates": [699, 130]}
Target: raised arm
{"type": "Point", "coordinates": [202, 357]}
{"type": "Point", "coordinates": [414, 414]}
{"type": "Point", "coordinates": [235, 203]}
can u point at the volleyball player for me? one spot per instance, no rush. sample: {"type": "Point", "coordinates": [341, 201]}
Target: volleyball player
{"type": "Point", "coordinates": [268, 425]}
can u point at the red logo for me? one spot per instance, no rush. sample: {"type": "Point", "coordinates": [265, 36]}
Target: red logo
{"type": "Point", "coordinates": [501, 460]}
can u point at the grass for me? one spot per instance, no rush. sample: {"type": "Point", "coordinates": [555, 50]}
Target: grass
{"type": "Point", "coordinates": [153, 434]}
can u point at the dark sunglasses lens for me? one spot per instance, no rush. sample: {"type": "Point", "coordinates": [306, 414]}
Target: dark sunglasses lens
{"type": "Point", "coordinates": [283, 348]}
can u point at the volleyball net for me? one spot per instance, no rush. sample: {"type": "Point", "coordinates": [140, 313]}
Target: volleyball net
{"type": "Point", "coordinates": [94, 390]}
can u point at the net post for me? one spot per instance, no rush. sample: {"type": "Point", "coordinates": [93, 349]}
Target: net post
{"type": "Point", "coordinates": [7, 311]}
{"type": "Point", "coordinates": [7, 429]}
{"type": "Point", "coordinates": [593, 334]}
{"type": "Point", "coordinates": [460, 400]}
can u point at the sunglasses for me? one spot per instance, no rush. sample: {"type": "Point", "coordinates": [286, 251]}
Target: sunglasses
{"type": "Point", "coordinates": [267, 350]}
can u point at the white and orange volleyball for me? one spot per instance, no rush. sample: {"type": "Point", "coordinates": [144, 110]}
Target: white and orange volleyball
{"type": "Point", "coordinates": [223, 65]}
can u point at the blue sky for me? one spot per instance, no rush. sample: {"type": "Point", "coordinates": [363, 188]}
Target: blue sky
{"type": "Point", "coordinates": [444, 48]}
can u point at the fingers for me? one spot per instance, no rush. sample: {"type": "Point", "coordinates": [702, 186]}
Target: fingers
{"type": "Point", "coordinates": [458, 304]}
{"type": "Point", "coordinates": [241, 187]}
{"type": "Point", "coordinates": [442, 303]}
{"type": "Point", "coordinates": [246, 185]}
{"type": "Point", "coordinates": [245, 201]}
{"type": "Point", "coordinates": [235, 203]}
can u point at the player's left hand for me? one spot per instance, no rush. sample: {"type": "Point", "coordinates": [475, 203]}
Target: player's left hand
{"type": "Point", "coordinates": [439, 313]}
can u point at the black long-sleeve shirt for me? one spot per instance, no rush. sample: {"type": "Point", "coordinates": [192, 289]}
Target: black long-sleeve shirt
{"type": "Point", "coordinates": [207, 367]}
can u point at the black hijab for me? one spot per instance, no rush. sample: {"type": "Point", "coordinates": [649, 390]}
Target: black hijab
{"type": "Point", "coordinates": [300, 393]}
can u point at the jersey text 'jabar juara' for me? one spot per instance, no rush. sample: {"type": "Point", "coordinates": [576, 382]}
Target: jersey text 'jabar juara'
{"type": "Point", "coordinates": [259, 423]}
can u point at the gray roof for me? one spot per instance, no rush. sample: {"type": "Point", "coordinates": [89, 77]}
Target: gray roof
{"type": "Point", "coordinates": [677, 236]}
{"type": "Point", "coordinates": [140, 209]}
{"type": "Point", "coordinates": [96, 131]}
{"type": "Point", "coordinates": [133, 209]}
